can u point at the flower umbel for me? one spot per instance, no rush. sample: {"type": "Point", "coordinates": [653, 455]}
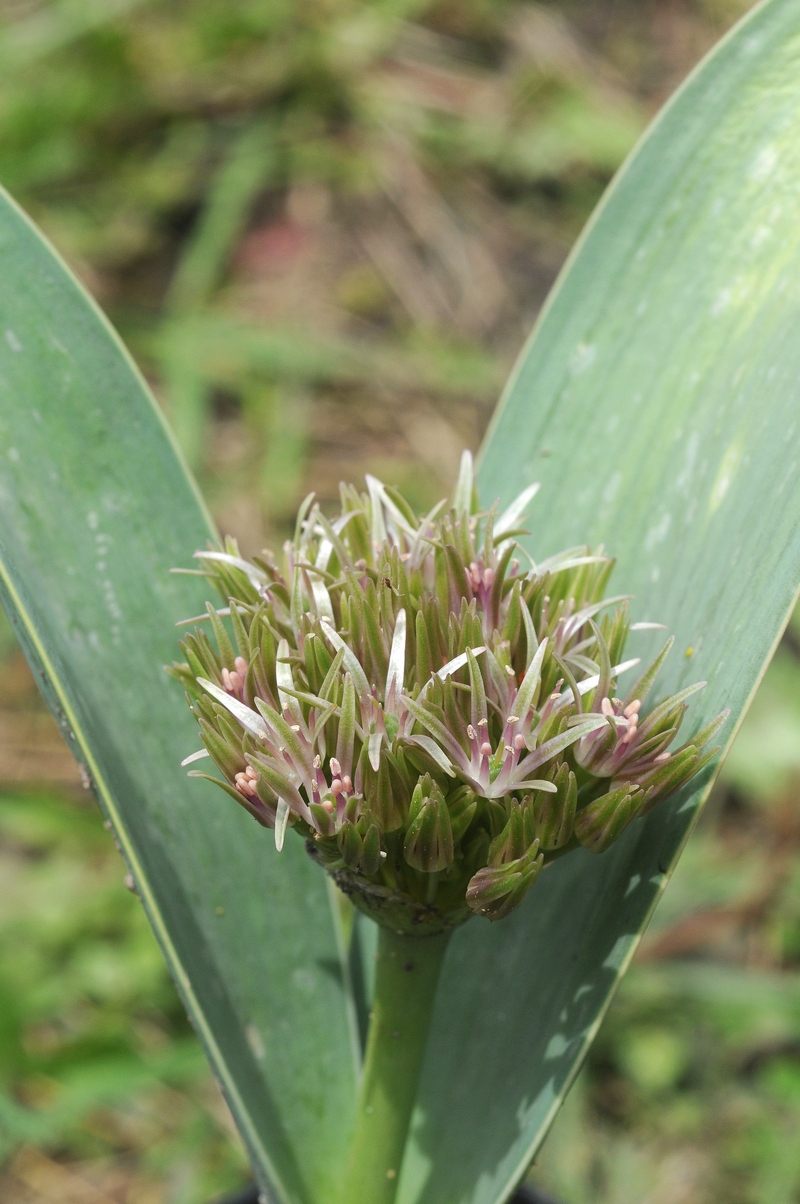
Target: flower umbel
{"type": "Point", "coordinates": [437, 715]}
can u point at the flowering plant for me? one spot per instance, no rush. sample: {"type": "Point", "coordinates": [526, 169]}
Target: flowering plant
{"type": "Point", "coordinates": [437, 714]}
{"type": "Point", "coordinates": [664, 395]}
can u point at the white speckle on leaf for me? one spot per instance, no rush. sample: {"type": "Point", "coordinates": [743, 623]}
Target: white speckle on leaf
{"type": "Point", "coordinates": [655, 573]}
{"type": "Point", "coordinates": [109, 593]}
{"type": "Point", "coordinates": [720, 489]}
{"type": "Point", "coordinates": [103, 543]}
{"type": "Point", "coordinates": [632, 885]}
{"type": "Point", "coordinates": [764, 163]}
{"type": "Point", "coordinates": [685, 475]}
{"type": "Point", "coordinates": [618, 954]}
{"type": "Point", "coordinates": [255, 1042]}
{"type": "Point", "coordinates": [760, 236]}
{"type": "Point", "coordinates": [13, 455]}
{"type": "Point", "coordinates": [641, 308]}
{"type": "Point", "coordinates": [728, 468]}
{"type": "Point", "coordinates": [557, 1046]}
{"type": "Point", "coordinates": [612, 488]}
{"type": "Point", "coordinates": [658, 533]}
{"type": "Point", "coordinates": [13, 341]}
{"type": "Point", "coordinates": [582, 359]}
{"type": "Point", "coordinates": [721, 302]}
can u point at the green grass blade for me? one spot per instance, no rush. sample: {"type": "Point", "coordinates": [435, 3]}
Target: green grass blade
{"type": "Point", "coordinates": [95, 508]}
{"type": "Point", "coordinates": [244, 173]}
{"type": "Point", "coordinates": [658, 403]}
{"type": "Point", "coordinates": [48, 30]}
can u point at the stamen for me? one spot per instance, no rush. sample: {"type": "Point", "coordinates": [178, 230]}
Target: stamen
{"type": "Point", "coordinates": [632, 708]}
{"type": "Point", "coordinates": [606, 707]}
{"type": "Point", "coordinates": [470, 731]}
{"type": "Point", "coordinates": [336, 767]}
{"type": "Point", "coordinates": [245, 783]}
{"type": "Point", "coordinates": [486, 749]}
{"type": "Point", "coordinates": [519, 741]}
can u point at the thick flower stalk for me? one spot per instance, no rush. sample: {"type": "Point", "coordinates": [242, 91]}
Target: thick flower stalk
{"type": "Point", "coordinates": [437, 715]}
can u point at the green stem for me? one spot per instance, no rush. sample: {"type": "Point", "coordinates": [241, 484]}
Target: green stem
{"type": "Point", "coordinates": [405, 985]}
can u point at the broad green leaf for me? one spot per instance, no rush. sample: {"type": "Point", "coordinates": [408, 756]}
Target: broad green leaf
{"type": "Point", "coordinates": [658, 403]}
{"type": "Point", "coordinates": [95, 509]}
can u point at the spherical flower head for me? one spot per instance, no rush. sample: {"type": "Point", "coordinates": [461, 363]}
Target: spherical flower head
{"type": "Point", "coordinates": [436, 714]}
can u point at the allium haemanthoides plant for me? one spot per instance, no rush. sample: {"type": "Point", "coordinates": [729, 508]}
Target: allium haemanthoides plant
{"type": "Point", "coordinates": [439, 717]}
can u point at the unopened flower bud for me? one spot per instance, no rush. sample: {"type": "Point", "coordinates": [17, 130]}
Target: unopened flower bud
{"type": "Point", "coordinates": [555, 813]}
{"type": "Point", "coordinates": [496, 890]}
{"type": "Point", "coordinates": [428, 844]}
{"type": "Point", "coordinates": [599, 823]}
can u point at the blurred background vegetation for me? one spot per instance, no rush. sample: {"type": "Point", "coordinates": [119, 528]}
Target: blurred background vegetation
{"type": "Point", "coordinates": [324, 228]}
